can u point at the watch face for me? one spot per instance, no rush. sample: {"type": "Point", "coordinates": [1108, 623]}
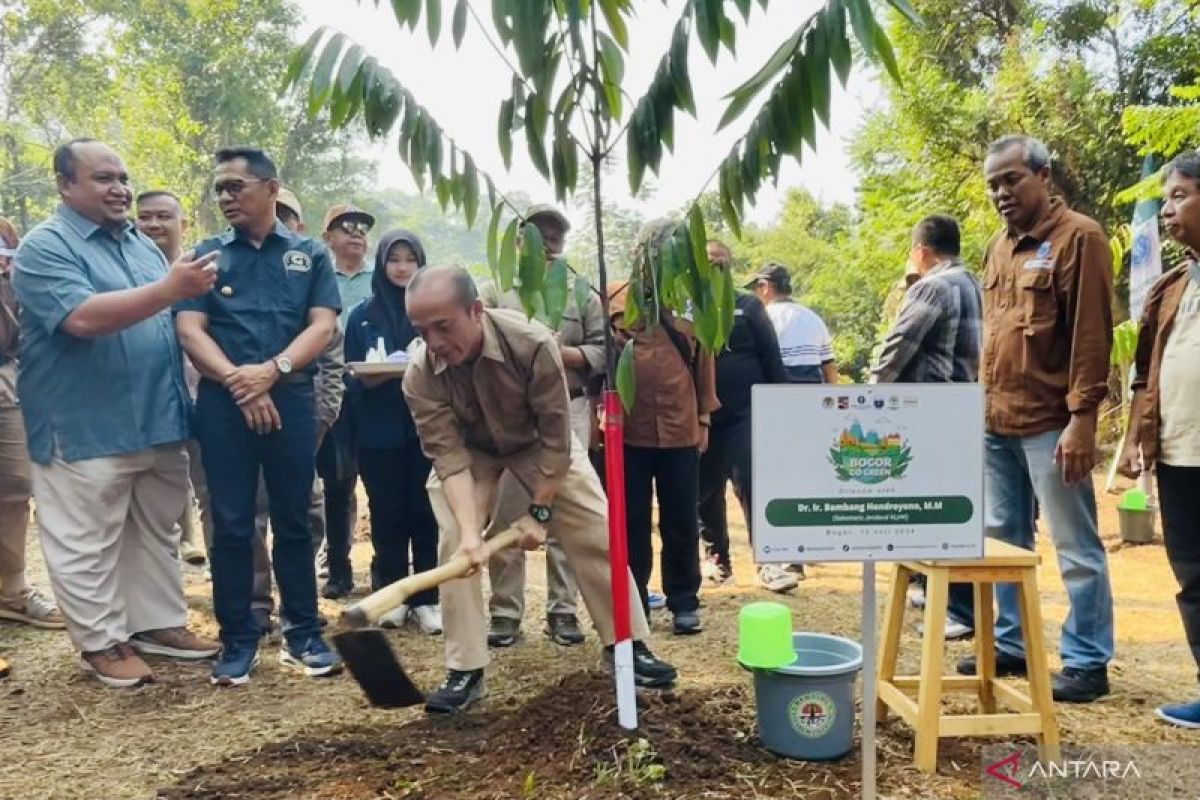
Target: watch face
{"type": "Point", "coordinates": [540, 513]}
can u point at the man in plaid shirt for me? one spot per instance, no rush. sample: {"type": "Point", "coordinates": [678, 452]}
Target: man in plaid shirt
{"type": "Point", "coordinates": [937, 336]}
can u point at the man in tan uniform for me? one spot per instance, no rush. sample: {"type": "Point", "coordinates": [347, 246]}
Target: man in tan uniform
{"type": "Point", "coordinates": [489, 399]}
{"type": "Point", "coordinates": [580, 340]}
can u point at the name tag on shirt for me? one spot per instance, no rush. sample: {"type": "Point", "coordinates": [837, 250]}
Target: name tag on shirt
{"type": "Point", "coordinates": [1039, 264]}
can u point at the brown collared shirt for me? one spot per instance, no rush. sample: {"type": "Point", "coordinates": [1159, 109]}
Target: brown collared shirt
{"type": "Point", "coordinates": [1158, 321]}
{"type": "Point", "coordinates": [1047, 311]}
{"type": "Point", "coordinates": [509, 405]}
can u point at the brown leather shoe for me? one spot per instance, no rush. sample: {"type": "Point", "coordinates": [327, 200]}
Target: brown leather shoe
{"type": "Point", "coordinates": [118, 667]}
{"type": "Point", "coordinates": [174, 643]}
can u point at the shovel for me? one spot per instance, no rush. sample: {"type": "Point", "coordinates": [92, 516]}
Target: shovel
{"type": "Point", "coordinates": [366, 651]}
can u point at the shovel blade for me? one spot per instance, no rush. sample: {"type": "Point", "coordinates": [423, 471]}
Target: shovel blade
{"type": "Point", "coordinates": [375, 668]}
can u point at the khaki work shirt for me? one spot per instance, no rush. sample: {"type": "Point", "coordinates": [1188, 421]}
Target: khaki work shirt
{"type": "Point", "coordinates": [510, 404]}
{"type": "Point", "coordinates": [1158, 321]}
{"type": "Point", "coordinates": [1047, 310]}
{"type": "Point", "coordinates": [585, 331]}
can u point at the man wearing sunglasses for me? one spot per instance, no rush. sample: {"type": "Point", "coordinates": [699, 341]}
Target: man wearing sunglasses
{"type": "Point", "coordinates": [255, 339]}
{"type": "Point", "coordinates": [345, 231]}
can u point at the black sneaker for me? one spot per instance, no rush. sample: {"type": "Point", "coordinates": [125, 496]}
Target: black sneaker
{"type": "Point", "coordinates": [1074, 685]}
{"type": "Point", "coordinates": [649, 671]}
{"type": "Point", "coordinates": [503, 631]}
{"type": "Point", "coordinates": [337, 589]}
{"type": "Point", "coordinates": [459, 690]}
{"type": "Point", "coordinates": [687, 623]}
{"type": "Point", "coordinates": [564, 629]}
{"type": "Point", "coordinates": [1006, 666]}
{"type": "Point", "coordinates": [264, 621]}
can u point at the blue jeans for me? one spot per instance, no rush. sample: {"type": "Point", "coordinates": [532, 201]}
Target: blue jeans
{"type": "Point", "coordinates": [233, 456]}
{"type": "Point", "coordinates": [1016, 471]}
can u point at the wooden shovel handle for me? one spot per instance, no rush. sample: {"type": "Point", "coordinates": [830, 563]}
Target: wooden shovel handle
{"type": "Point", "coordinates": [368, 610]}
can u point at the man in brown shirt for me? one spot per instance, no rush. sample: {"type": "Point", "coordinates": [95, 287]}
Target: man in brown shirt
{"type": "Point", "coordinates": [1047, 335]}
{"type": "Point", "coordinates": [580, 339]}
{"type": "Point", "coordinates": [489, 399]}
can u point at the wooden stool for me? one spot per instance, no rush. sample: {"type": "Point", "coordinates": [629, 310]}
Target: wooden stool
{"type": "Point", "coordinates": [1032, 713]}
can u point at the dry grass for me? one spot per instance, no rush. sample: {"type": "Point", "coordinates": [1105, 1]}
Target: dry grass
{"type": "Point", "coordinates": [65, 736]}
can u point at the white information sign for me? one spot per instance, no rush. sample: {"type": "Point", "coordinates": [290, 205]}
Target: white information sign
{"type": "Point", "coordinates": [885, 472]}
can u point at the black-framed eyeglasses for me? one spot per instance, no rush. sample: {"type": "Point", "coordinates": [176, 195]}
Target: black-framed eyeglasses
{"type": "Point", "coordinates": [352, 226]}
{"type": "Point", "coordinates": [233, 188]}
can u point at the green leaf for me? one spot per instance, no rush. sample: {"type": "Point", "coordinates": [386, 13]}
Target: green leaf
{"type": "Point", "coordinates": [883, 47]}
{"type": "Point", "coordinates": [504, 128]}
{"type": "Point", "coordinates": [493, 240]}
{"type": "Point", "coordinates": [470, 189]}
{"type": "Point", "coordinates": [742, 95]}
{"type": "Point", "coordinates": [301, 57]}
{"type": "Point", "coordinates": [502, 14]}
{"type": "Point", "coordinates": [583, 294]}
{"type": "Point", "coordinates": [322, 80]}
{"type": "Point", "coordinates": [680, 81]}
{"type": "Point", "coordinates": [612, 66]}
{"type": "Point", "coordinates": [864, 24]}
{"type": "Point", "coordinates": [443, 189]}
{"type": "Point", "coordinates": [744, 7]}
{"type": "Point", "coordinates": [708, 25]}
{"type": "Point", "coordinates": [907, 10]}
{"type": "Point", "coordinates": [815, 66]}
{"type": "Point", "coordinates": [536, 115]}
{"type": "Point", "coordinates": [433, 19]}
{"type": "Point", "coordinates": [508, 256]}
{"type": "Point", "coordinates": [555, 292]}
{"type": "Point", "coordinates": [728, 34]}
{"type": "Point", "coordinates": [616, 23]}
{"type": "Point", "coordinates": [458, 27]}
{"type": "Point", "coordinates": [626, 381]}
{"type": "Point", "coordinates": [728, 212]}
{"type": "Point", "coordinates": [532, 265]}
{"type": "Point", "coordinates": [840, 54]}
{"type": "Point", "coordinates": [699, 240]}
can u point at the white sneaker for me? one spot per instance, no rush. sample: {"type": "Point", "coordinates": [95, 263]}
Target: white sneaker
{"type": "Point", "coordinates": [776, 578]}
{"type": "Point", "coordinates": [394, 618]}
{"type": "Point", "coordinates": [954, 630]}
{"type": "Point", "coordinates": [428, 619]}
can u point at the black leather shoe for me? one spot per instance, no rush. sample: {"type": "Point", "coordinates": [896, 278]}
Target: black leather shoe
{"type": "Point", "coordinates": [457, 692]}
{"type": "Point", "coordinates": [649, 671]}
{"type": "Point", "coordinates": [564, 629]}
{"type": "Point", "coordinates": [1080, 685]}
{"type": "Point", "coordinates": [1006, 666]}
{"type": "Point", "coordinates": [337, 589]}
{"type": "Point", "coordinates": [687, 623]}
{"type": "Point", "coordinates": [503, 631]}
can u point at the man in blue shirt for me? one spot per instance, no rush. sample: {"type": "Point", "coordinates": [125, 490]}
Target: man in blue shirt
{"type": "Point", "coordinates": [255, 339]}
{"type": "Point", "coordinates": [106, 410]}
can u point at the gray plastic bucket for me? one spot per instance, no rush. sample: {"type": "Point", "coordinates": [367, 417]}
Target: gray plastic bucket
{"type": "Point", "coordinates": [806, 710]}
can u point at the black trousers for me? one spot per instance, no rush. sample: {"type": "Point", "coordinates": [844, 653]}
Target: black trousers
{"type": "Point", "coordinates": [404, 531]}
{"type": "Point", "coordinates": [674, 472]}
{"type": "Point", "coordinates": [727, 458]}
{"type": "Point", "coordinates": [1178, 488]}
{"type": "Point", "coordinates": [339, 473]}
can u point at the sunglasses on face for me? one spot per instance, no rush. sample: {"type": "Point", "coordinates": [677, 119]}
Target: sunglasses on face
{"type": "Point", "coordinates": [232, 188]}
{"type": "Point", "coordinates": [352, 227]}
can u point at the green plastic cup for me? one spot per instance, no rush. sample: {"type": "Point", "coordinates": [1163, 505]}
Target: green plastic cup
{"type": "Point", "coordinates": [1134, 500]}
{"type": "Point", "coordinates": [765, 636]}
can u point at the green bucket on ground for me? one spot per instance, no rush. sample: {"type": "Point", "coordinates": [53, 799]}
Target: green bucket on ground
{"type": "Point", "coordinates": [1134, 500]}
{"type": "Point", "coordinates": [765, 636]}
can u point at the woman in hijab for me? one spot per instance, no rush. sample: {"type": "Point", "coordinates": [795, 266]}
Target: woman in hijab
{"type": "Point", "coordinates": [404, 531]}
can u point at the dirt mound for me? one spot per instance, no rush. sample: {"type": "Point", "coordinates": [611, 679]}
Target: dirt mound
{"type": "Point", "coordinates": [563, 743]}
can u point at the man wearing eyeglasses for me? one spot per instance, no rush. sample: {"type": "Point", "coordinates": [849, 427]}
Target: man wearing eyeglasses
{"type": "Point", "coordinates": [255, 339]}
{"type": "Point", "coordinates": [345, 231]}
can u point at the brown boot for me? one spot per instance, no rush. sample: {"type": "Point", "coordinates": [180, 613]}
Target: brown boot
{"type": "Point", "coordinates": [174, 643]}
{"type": "Point", "coordinates": [118, 667]}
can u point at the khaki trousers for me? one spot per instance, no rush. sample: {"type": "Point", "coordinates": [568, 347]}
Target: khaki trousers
{"type": "Point", "coordinates": [110, 542]}
{"type": "Point", "coordinates": [14, 500]}
{"type": "Point", "coordinates": [506, 570]}
{"type": "Point", "coordinates": [579, 523]}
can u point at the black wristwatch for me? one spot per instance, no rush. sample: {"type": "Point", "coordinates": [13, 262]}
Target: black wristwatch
{"type": "Point", "coordinates": [540, 513]}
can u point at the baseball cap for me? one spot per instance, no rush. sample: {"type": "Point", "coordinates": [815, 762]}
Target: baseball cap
{"type": "Point", "coordinates": [776, 274]}
{"type": "Point", "coordinates": [287, 198]}
{"type": "Point", "coordinates": [342, 211]}
{"type": "Point", "coordinates": [547, 210]}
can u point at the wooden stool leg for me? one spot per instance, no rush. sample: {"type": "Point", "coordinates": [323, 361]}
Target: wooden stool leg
{"type": "Point", "coordinates": [893, 624]}
{"type": "Point", "coordinates": [985, 646]}
{"type": "Point", "coordinates": [929, 694]}
{"type": "Point", "coordinates": [1039, 668]}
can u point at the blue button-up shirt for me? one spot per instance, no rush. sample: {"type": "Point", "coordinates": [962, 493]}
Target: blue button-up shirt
{"type": "Point", "coordinates": [114, 394]}
{"type": "Point", "coordinates": [263, 294]}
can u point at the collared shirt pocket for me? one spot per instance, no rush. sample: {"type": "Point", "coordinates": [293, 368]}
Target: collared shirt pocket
{"type": "Point", "coordinates": [1036, 287]}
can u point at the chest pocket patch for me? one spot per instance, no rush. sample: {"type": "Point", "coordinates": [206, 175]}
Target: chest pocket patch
{"type": "Point", "coordinates": [296, 261]}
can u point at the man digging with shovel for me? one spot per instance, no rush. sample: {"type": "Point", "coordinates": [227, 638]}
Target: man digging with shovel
{"type": "Point", "coordinates": [489, 399]}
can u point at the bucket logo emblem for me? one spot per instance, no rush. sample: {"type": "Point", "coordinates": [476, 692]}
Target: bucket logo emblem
{"type": "Point", "coordinates": [867, 457]}
{"type": "Point", "coordinates": [812, 715]}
